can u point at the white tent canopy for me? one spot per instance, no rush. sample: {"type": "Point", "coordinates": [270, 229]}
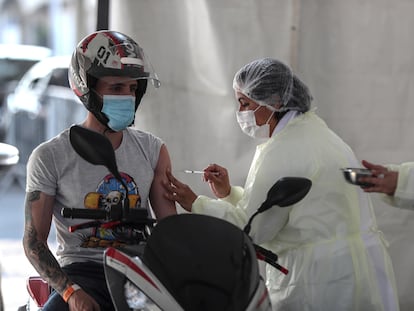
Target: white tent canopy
{"type": "Point", "coordinates": [356, 56]}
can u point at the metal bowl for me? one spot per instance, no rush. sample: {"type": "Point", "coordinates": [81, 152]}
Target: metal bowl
{"type": "Point", "coordinates": [353, 174]}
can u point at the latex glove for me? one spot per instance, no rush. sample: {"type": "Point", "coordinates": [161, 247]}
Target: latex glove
{"type": "Point", "coordinates": [179, 192]}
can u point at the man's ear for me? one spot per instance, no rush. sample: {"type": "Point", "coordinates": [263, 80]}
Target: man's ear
{"type": "Point", "coordinates": [140, 91]}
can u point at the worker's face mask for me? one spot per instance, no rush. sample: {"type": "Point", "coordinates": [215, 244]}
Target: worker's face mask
{"type": "Point", "coordinates": [247, 122]}
{"type": "Point", "coordinates": [120, 110]}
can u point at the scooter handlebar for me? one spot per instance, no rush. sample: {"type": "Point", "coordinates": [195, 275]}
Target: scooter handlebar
{"type": "Point", "coordinates": [134, 216]}
{"type": "Point", "coordinates": [84, 213]}
{"type": "Point", "coordinates": [269, 257]}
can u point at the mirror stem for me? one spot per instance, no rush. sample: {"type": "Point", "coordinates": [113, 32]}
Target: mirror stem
{"type": "Point", "coordinates": [125, 205]}
{"type": "Point", "coordinates": [248, 226]}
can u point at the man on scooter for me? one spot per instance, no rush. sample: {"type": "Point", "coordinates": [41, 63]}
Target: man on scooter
{"type": "Point", "coordinates": [109, 74]}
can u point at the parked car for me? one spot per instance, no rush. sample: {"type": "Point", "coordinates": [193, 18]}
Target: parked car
{"type": "Point", "coordinates": [41, 106]}
{"type": "Point", "coordinates": [15, 60]}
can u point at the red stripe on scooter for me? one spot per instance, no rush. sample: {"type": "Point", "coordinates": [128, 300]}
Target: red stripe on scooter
{"type": "Point", "coordinates": [113, 253]}
{"type": "Point", "coordinates": [263, 298]}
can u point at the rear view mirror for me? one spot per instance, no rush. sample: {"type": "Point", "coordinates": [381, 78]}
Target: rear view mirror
{"type": "Point", "coordinates": [94, 148]}
{"type": "Point", "coordinates": [286, 191]}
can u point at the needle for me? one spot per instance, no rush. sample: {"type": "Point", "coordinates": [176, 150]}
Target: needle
{"type": "Point", "coordinates": [199, 172]}
{"type": "Point", "coordinates": [193, 172]}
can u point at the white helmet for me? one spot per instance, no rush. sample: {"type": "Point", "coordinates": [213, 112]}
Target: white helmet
{"type": "Point", "coordinates": [108, 53]}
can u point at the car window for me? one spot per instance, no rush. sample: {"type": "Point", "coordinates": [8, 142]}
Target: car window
{"type": "Point", "coordinates": [13, 69]}
{"type": "Point", "coordinates": [33, 83]}
{"type": "Point", "coordinates": [59, 77]}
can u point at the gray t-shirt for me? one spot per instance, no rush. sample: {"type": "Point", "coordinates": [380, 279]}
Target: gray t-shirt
{"type": "Point", "coordinates": [56, 169]}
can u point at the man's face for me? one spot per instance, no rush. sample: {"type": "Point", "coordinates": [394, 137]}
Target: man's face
{"type": "Point", "coordinates": [113, 85]}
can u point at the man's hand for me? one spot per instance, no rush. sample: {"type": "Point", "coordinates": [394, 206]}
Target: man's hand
{"type": "Point", "coordinates": [81, 301]}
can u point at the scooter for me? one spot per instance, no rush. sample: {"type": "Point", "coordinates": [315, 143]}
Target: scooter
{"type": "Point", "coordinates": [185, 261]}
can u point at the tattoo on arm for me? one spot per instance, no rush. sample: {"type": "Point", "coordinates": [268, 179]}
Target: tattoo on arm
{"type": "Point", "coordinates": [38, 252]}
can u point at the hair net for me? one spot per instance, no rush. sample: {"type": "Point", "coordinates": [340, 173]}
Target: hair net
{"type": "Point", "coordinates": [268, 81]}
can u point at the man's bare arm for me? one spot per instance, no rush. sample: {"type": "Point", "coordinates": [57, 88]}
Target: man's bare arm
{"type": "Point", "coordinates": [38, 218]}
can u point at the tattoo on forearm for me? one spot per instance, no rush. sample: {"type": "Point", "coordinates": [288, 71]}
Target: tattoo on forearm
{"type": "Point", "coordinates": [33, 196]}
{"type": "Point", "coordinates": [38, 252]}
{"type": "Point", "coordinates": [30, 197]}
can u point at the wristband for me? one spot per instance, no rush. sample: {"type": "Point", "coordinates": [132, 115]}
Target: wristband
{"type": "Point", "coordinates": [69, 291]}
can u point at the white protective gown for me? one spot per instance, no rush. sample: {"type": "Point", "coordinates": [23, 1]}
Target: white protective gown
{"type": "Point", "coordinates": [404, 193]}
{"type": "Point", "coordinates": [329, 241]}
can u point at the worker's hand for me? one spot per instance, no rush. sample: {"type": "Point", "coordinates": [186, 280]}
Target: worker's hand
{"type": "Point", "coordinates": [218, 180]}
{"type": "Point", "coordinates": [179, 192]}
{"type": "Point", "coordinates": [382, 180]}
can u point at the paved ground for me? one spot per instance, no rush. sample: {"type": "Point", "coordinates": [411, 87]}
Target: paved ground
{"type": "Point", "coordinates": [15, 266]}
{"type": "Point", "coordinates": [16, 269]}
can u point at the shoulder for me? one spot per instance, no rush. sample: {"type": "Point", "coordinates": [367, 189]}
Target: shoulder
{"type": "Point", "coordinates": [313, 128]}
{"type": "Point", "coordinates": [142, 136]}
{"type": "Point", "coordinates": [47, 161]}
{"type": "Point", "coordinates": [146, 144]}
{"type": "Point", "coordinates": [54, 146]}
{"type": "Point", "coordinates": [309, 118]}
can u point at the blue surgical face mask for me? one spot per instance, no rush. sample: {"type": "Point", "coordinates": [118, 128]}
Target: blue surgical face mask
{"type": "Point", "coordinates": [120, 110]}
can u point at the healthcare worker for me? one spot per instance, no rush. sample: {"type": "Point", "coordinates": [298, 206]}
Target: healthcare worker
{"type": "Point", "coordinates": [395, 182]}
{"type": "Point", "coordinates": [329, 241]}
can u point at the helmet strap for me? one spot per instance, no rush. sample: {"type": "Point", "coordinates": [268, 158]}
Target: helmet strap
{"type": "Point", "coordinates": [94, 105]}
